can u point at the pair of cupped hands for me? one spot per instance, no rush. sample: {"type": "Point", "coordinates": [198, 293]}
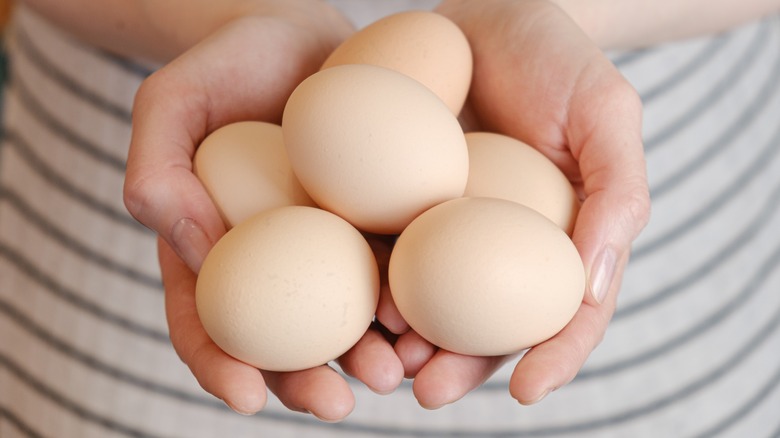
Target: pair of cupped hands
{"type": "Point", "coordinates": [537, 77]}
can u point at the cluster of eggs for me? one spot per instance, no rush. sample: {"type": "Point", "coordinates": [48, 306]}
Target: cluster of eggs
{"type": "Point", "coordinates": [371, 143]}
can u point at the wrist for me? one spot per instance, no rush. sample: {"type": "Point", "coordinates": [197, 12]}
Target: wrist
{"type": "Point", "coordinates": [589, 16]}
{"type": "Point", "coordinates": [197, 22]}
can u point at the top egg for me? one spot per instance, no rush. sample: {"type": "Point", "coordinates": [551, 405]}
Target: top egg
{"type": "Point", "coordinates": [373, 146]}
{"type": "Point", "coordinates": [423, 45]}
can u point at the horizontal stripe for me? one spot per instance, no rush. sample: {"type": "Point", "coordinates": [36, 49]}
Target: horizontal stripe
{"type": "Point", "coordinates": [68, 404]}
{"type": "Point", "coordinates": [695, 63]}
{"type": "Point", "coordinates": [677, 396]}
{"type": "Point", "coordinates": [59, 182]}
{"type": "Point", "coordinates": [126, 64]}
{"type": "Point", "coordinates": [726, 139]}
{"type": "Point", "coordinates": [56, 127]}
{"type": "Point", "coordinates": [741, 240]}
{"type": "Point", "coordinates": [623, 60]}
{"type": "Point", "coordinates": [124, 377]}
{"type": "Point", "coordinates": [73, 354]}
{"type": "Point", "coordinates": [21, 427]}
{"type": "Point", "coordinates": [53, 287]}
{"type": "Point", "coordinates": [776, 433]}
{"type": "Point", "coordinates": [743, 411]}
{"type": "Point", "coordinates": [50, 70]}
{"type": "Point", "coordinates": [718, 90]}
{"type": "Point", "coordinates": [47, 227]}
{"type": "Point", "coordinates": [767, 154]}
{"type": "Point", "coordinates": [700, 328]}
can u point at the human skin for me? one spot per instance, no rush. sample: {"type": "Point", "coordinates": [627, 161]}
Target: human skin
{"type": "Point", "coordinates": [244, 71]}
{"type": "Point", "coordinates": [632, 24]}
{"type": "Point", "coordinates": [239, 59]}
{"type": "Point", "coordinates": [539, 78]}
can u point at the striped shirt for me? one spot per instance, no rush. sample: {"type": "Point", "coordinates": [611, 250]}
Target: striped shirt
{"type": "Point", "coordinates": [693, 350]}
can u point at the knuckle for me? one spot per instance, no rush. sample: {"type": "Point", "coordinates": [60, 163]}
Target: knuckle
{"type": "Point", "coordinates": [137, 196]}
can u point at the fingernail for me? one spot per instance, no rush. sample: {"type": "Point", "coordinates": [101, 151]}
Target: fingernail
{"type": "Point", "coordinates": [601, 274]}
{"type": "Point", "coordinates": [539, 398]}
{"type": "Point", "coordinates": [237, 410]}
{"type": "Point", "coordinates": [190, 242]}
{"type": "Point", "coordinates": [327, 420]}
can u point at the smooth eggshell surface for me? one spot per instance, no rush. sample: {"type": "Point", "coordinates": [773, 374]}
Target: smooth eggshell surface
{"type": "Point", "coordinates": [485, 276]}
{"type": "Point", "coordinates": [374, 146]}
{"type": "Point", "coordinates": [245, 170]}
{"type": "Point", "coordinates": [424, 45]}
{"type": "Point", "coordinates": [288, 289]}
{"type": "Point", "coordinates": [506, 168]}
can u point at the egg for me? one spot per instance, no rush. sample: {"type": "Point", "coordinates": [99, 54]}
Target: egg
{"type": "Point", "coordinates": [504, 167]}
{"type": "Point", "coordinates": [485, 276]}
{"type": "Point", "coordinates": [374, 146]}
{"type": "Point", "coordinates": [245, 170]}
{"type": "Point", "coordinates": [421, 44]}
{"type": "Point", "coordinates": [288, 289]}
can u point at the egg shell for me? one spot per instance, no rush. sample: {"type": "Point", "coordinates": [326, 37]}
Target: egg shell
{"type": "Point", "coordinates": [504, 167]}
{"type": "Point", "coordinates": [485, 276]}
{"type": "Point", "coordinates": [424, 45]}
{"type": "Point", "coordinates": [288, 289]}
{"type": "Point", "coordinates": [245, 170]}
{"type": "Point", "coordinates": [374, 146]}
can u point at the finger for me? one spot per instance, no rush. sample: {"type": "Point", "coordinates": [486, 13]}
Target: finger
{"type": "Point", "coordinates": [160, 189]}
{"type": "Point", "coordinates": [374, 362]}
{"type": "Point", "coordinates": [320, 391]}
{"type": "Point", "coordinates": [617, 202]}
{"type": "Point", "coordinates": [555, 362]}
{"type": "Point", "coordinates": [386, 313]}
{"type": "Point", "coordinates": [584, 116]}
{"type": "Point", "coordinates": [414, 352]}
{"type": "Point", "coordinates": [448, 376]}
{"type": "Point", "coordinates": [239, 385]}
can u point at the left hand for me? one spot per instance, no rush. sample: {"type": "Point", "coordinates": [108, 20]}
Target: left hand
{"type": "Point", "coordinates": [539, 78]}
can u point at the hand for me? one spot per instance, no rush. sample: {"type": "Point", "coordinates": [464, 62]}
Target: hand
{"type": "Point", "coordinates": [538, 77]}
{"type": "Point", "coordinates": [245, 71]}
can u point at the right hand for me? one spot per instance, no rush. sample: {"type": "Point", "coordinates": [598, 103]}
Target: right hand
{"type": "Point", "coordinates": [245, 71]}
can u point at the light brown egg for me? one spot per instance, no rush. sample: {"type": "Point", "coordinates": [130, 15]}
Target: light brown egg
{"type": "Point", "coordinates": [374, 146]}
{"type": "Point", "coordinates": [288, 289]}
{"type": "Point", "coordinates": [485, 276]}
{"type": "Point", "coordinates": [506, 168]}
{"type": "Point", "coordinates": [424, 45]}
{"type": "Point", "coordinates": [245, 170]}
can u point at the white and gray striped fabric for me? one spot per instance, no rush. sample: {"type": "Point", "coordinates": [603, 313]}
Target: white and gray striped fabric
{"type": "Point", "coordinates": [693, 351]}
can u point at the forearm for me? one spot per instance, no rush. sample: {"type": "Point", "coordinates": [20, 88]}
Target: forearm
{"type": "Point", "coordinates": [162, 29]}
{"type": "Point", "coordinates": [638, 23]}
